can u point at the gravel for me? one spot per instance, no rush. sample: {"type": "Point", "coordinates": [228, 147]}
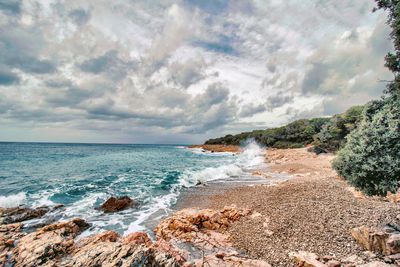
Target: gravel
{"type": "Point", "coordinates": [314, 213]}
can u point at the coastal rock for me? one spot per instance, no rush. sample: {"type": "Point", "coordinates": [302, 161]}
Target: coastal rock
{"type": "Point", "coordinates": [47, 244]}
{"type": "Point", "coordinates": [199, 237]}
{"type": "Point", "coordinates": [385, 240]}
{"type": "Point", "coordinates": [109, 249]}
{"type": "Point", "coordinates": [8, 234]}
{"type": "Point", "coordinates": [307, 259]}
{"type": "Point", "coordinates": [114, 204]}
{"type": "Point", "coordinates": [19, 214]}
{"type": "Point", "coordinates": [186, 223]}
{"type": "Point", "coordinates": [188, 238]}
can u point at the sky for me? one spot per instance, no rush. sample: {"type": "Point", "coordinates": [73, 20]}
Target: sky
{"type": "Point", "coordinates": [146, 71]}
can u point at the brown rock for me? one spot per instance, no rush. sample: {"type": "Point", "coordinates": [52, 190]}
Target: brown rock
{"type": "Point", "coordinates": [47, 244]}
{"type": "Point", "coordinates": [383, 240]}
{"type": "Point", "coordinates": [138, 238]}
{"type": "Point", "coordinates": [114, 204]}
{"type": "Point", "coordinates": [307, 259]}
{"type": "Point", "coordinates": [19, 214]}
{"type": "Point", "coordinates": [333, 263]}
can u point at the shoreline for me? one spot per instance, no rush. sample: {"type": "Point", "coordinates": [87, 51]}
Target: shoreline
{"type": "Point", "coordinates": [314, 211]}
{"type": "Point", "coordinates": [308, 218]}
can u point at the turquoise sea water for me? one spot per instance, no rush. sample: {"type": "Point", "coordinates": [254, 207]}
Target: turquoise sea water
{"type": "Point", "coordinates": [82, 176]}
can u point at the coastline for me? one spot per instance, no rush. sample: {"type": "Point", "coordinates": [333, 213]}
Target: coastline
{"type": "Point", "coordinates": [307, 219]}
{"type": "Point", "coordinates": [314, 211]}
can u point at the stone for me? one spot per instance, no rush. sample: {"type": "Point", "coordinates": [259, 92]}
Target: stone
{"type": "Point", "coordinates": [115, 204]}
{"type": "Point", "coordinates": [45, 245]}
{"type": "Point", "coordinates": [352, 260]}
{"type": "Point", "coordinates": [385, 240]}
{"type": "Point", "coordinates": [20, 214]}
{"type": "Point", "coordinates": [307, 259]}
{"type": "Point", "coordinates": [333, 263]}
{"type": "Point", "coordinates": [137, 238]}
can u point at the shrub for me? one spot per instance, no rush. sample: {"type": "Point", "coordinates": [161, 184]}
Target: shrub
{"type": "Point", "coordinates": [332, 134]}
{"type": "Point", "coordinates": [370, 160]}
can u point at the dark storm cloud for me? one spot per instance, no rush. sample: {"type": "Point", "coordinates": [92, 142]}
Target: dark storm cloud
{"type": "Point", "coordinates": [19, 48]}
{"type": "Point", "coordinates": [250, 110]}
{"type": "Point", "coordinates": [7, 77]}
{"type": "Point", "coordinates": [12, 7]}
{"type": "Point", "coordinates": [79, 16]}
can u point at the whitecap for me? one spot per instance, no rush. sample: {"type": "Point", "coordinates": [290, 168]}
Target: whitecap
{"type": "Point", "coordinates": [12, 200]}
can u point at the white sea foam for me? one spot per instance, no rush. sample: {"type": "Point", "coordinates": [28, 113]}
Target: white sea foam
{"type": "Point", "coordinates": [12, 200]}
{"type": "Point", "coordinates": [253, 156]}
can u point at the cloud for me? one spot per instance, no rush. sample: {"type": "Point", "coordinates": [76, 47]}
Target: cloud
{"type": "Point", "coordinates": [141, 71]}
{"type": "Point", "coordinates": [8, 77]}
{"type": "Point", "coordinates": [12, 7]}
{"type": "Point", "coordinates": [79, 16]}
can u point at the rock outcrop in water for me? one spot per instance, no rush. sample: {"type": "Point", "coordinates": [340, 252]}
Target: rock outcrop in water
{"type": "Point", "coordinates": [188, 238]}
{"type": "Point", "coordinates": [21, 213]}
{"type": "Point", "coordinates": [115, 204]}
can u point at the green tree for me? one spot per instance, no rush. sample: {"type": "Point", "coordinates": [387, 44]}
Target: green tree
{"type": "Point", "coordinates": [370, 160]}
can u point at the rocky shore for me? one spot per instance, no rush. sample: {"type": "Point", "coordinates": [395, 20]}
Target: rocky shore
{"type": "Point", "coordinates": [308, 220]}
{"type": "Point", "coordinates": [315, 219]}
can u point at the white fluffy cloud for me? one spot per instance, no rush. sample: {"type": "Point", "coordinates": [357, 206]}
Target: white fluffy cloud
{"type": "Point", "coordinates": [181, 70]}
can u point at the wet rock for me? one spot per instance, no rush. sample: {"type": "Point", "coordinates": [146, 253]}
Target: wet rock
{"type": "Point", "coordinates": [385, 240]}
{"type": "Point", "coordinates": [307, 259]}
{"type": "Point", "coordinates": [115, 204]}
{"type": "Point", "coordinates": [20, 214]}
{"type": "Point", "coordinates": [47, 244]}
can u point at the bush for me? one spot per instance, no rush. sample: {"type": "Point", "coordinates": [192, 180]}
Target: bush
{"type": "Point", "coordinates": [370, 160]}
{"type": "Point", "coordinates": [332, 135]}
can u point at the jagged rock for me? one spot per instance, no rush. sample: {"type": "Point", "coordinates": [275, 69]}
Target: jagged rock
{"type": "Point", "coordinates": [114, 204]}
{"type": "Point", "coordinates": [109, 249]}
{"type": "Point", "coordinates": [385, 240]}
{"type": "Point", "coordinates": [186, 223]}
{"type": "Point", "coordinates": [19, 214]}
{"type": "Point", "coordinates": [307, 259]}
{"type": "Point", "coordinates": [8, 234]}
{"type": "Point", "coordinates": [188, 238]}
{"type": "Point", "coordinates": [47, 244]}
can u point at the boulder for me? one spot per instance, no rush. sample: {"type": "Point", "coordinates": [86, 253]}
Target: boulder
{"type": "Point", "coordinates": [47, 244]}
{"type": "Point", "coordinates": [115, 204]}
{"type": "Point", "coordinates": [8, 234]}
{"type": "Point", "coordinates": [385, 240]}
{"type": "Point", "coordinates": [20, 214]}
{"type": "Point", "coordinates": [307, 259]}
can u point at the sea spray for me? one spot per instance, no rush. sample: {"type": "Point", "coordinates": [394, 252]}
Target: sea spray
{"type": "Point", "coordinates": [12, 201]}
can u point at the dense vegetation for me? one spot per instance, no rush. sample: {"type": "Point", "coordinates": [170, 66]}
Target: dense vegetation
{"type": "Point", "coordinates": [326, 133]}
{"type": "Point", "coordinates": [370, 160]}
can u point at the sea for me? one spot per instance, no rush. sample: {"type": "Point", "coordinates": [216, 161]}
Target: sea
{"type": "Point", "coordinates": [83, 176]}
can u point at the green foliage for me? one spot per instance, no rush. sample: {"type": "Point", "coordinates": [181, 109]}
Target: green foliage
{"type": "Point", "coordinates": [370, 160]}
{"type": "Point", "coordinates": [296, 134]}
{"type": "Point", "coordinates": [332, 135]}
